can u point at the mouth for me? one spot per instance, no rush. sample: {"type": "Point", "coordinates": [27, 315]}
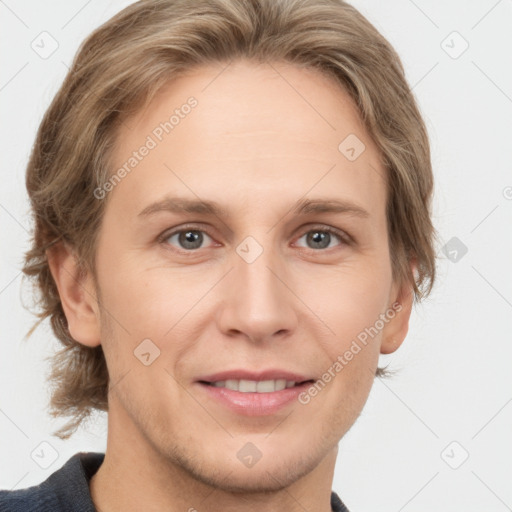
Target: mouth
{"type": "Point", "coordinates": [256, 386]}
{"type": "Point", "coordinates": [254, 394]}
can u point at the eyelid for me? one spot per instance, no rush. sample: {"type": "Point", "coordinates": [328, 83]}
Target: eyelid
{"type": "Point", "coordinates": [185, 227]}
{"type": "Point", "coordinates": [345, 238]}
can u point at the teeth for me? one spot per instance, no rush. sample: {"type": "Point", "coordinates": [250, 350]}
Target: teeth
{"type": "Point", "coordinates": [252, 386]}
{"type": "Point", "coordinates": [232, 384]}
{"type": "Point", "coordinates": [267, 386]}
{"type": "Point", "coordinates": [247, 386]}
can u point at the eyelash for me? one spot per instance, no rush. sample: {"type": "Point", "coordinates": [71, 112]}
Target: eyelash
{"type": "Point", "coordinates": [344, 238]}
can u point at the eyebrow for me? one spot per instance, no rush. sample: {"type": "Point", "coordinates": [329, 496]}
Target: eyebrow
{"type": "Point", "coordinates": [301, 207]}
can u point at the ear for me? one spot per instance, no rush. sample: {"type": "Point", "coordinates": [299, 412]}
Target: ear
{"type": "Point", "coordinates": [77, 294]}
{"type": "Point", "coordinates": [397, 326]}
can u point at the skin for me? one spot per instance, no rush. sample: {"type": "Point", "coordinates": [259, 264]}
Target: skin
{"type": "Point", "coordinates": [255, 145]}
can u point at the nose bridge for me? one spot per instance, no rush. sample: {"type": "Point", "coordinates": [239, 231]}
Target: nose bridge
{"type": "Point", "coordinates": [253, 268]}
{"type": "Point", "coordinates": [259, 303]}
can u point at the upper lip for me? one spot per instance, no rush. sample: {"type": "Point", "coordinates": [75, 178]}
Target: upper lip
{"type": "Point", "coordinates": [240, 374]}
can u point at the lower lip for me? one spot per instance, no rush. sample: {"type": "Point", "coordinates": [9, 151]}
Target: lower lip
{"type": "Point", "coordinates": [255, 404]}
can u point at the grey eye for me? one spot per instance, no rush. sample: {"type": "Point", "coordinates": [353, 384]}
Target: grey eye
{"type": "Point", "coordinates": [188, 239]}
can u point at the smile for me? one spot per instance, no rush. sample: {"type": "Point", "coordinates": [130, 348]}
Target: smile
{"type": "Point", "coordinates": [253, 386]}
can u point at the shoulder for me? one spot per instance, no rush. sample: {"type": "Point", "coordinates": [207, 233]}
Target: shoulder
{"type": "Point", "coordinates": [65, 489]}
{"type": "Point", "coordinates": [31, 499]}
{"type": "Point", "coordinates": [336, 504]}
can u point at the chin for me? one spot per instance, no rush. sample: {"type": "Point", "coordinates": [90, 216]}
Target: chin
{"type": "Point", "coordinates": [275, 467]}
{"type": "Point", "coordinates": [273, 475]}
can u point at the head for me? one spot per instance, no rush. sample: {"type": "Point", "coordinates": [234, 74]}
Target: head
{"type": "Point", "coordinates": [250, 110]}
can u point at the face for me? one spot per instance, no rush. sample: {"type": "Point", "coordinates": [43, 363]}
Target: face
{"type": "Point", "coordinates": [273, 278]}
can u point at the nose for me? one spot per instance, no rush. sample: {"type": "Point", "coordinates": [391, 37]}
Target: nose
{"type": "Point", "coordinates": [258, 302]}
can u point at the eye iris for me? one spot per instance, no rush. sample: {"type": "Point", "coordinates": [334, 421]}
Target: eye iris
{"type": "Point", "coordinates": [319, 237]}
{"type": "Point", "coordinates": [191, 237]}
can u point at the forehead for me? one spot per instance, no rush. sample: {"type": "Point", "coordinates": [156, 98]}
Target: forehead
{"type": "Point", "coordinates": [273, 127]}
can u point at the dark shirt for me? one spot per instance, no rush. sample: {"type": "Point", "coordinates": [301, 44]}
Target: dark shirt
{"type": "Point", "coordinates": [67, 489]}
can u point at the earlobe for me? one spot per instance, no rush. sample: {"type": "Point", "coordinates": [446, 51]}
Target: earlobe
{"type": "Point", "coordinates": [77, 295]}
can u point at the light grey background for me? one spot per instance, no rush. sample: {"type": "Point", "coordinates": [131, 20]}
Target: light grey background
{"type": "Point", "coordinates": [455, 381]}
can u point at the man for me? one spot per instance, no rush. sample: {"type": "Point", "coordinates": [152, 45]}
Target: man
{"type": "Point", "coordinates": [232, 223]}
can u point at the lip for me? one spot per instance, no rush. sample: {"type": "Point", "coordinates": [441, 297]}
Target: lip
{"type": "Point", "coordinates": [254, 404]}
{"type": "Point", "coordinates": [270, 374]}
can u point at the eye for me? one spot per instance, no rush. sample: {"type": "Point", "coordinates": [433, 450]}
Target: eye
{"type": "Point", "coordinates": [188, 239]}
{"type": "Point", "coordinates": [321, 238]}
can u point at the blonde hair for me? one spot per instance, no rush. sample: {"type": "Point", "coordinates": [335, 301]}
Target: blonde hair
{"type": "Point", "coordinates": [120, 67]}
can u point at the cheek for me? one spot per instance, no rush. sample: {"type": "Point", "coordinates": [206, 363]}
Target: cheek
{"type": "Point", "coordinates": [160, 304]}
{"type": "Point", "coordinates": [351, 306]}
{"type": "Point", "coordinates": [349, 300]}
